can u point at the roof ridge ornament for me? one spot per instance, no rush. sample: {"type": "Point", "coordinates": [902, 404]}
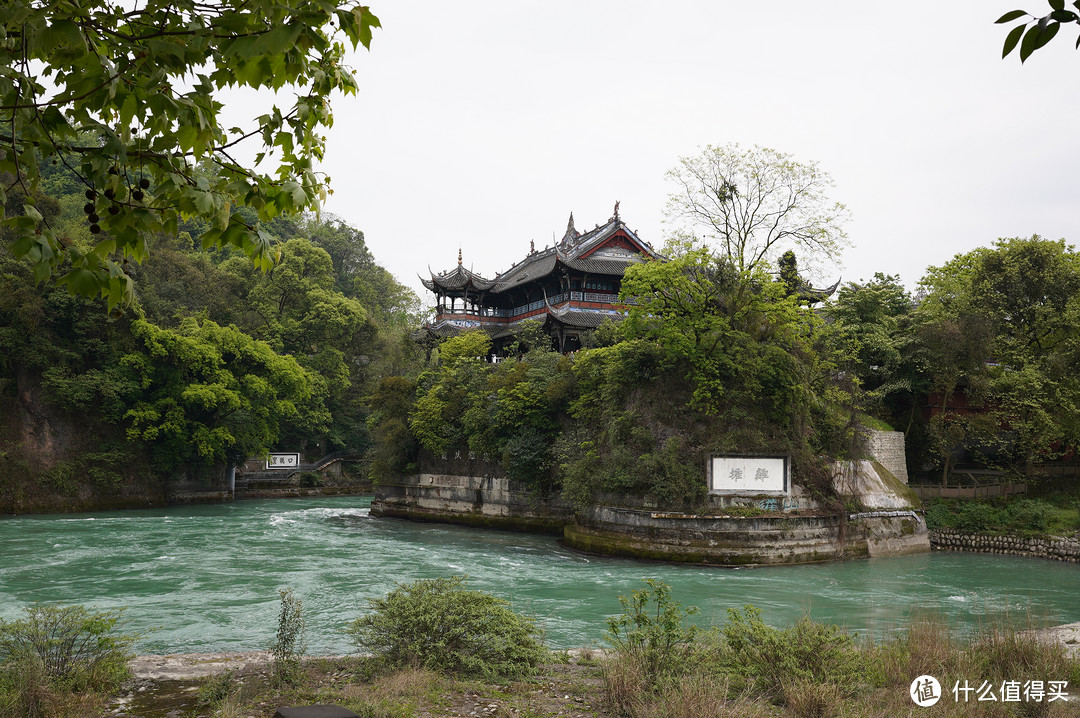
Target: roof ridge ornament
{"type": "Point", "coordinates": [615, 216]}
{"type": "Point", "coordinates": [459, 256]}
{"type": "Point", "coordinates": [571, 231]}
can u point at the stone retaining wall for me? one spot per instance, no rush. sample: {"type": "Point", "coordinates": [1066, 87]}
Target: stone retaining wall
{"type": "Point", "coordinates": [485, 501]}
{"type": "Point", "coordinates": [288, 492]}
{"type": "Point", "coordinates": [1056, 549]}
{"type": "Point", "coordinates": [744, 540]}
{"type": "Point", "coordinates": [751, 534]}
{"type": "Point", "coordinates": [887, 447]}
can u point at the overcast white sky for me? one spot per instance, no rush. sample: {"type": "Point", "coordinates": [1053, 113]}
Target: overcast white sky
{"type": "Point", "coordinates": [483, 124]}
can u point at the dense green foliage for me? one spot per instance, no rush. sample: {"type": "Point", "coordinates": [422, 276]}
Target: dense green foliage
{"type": "Point", "coordinates": [805, 652]}
{"type": "Point", "coordinates": [214, 362]}
{"type": "Point", "coordinates": [130, 100]}
{"type": "Point", "coordinates": [507, 413]}
{"type": "Point", "coordinates": [213, 394]}
{"type": "Point", "coordinates": [440, 625]}
{"type": "Point", "coordinates": [709, 360]}
{"type": "Point", "coordinates": [983, 367]}
{"type": "Point", "coordinates": [1054, 515]}
{"type": "Point", "coordinates": [650, 630]}
{"type": "Point", "coordinates": [56, 654]}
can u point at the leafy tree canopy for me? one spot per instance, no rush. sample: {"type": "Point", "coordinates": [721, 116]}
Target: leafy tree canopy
{"type": "Point", "coordinates": [128, 97]}
{"type": "Point", "coordinates": [752, 202]}
{"type": "Point", "coordinates": [213, 394]}
{"type": "Point", "coordinates": [871, 320]}
{"type": "Point", "coordinates": [1000, 321]}
{"type": "Point", "coordinates": [723, 323]}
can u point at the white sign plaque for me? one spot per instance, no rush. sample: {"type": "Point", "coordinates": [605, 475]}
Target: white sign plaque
{"type": "Point", "coordinates": [282, 461]}
{"type": "Point", "coordinates": [748, 474]}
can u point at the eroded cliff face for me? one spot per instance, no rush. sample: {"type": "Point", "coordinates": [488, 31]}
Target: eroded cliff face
{"type": "Point", "coordinates": [56, 462]}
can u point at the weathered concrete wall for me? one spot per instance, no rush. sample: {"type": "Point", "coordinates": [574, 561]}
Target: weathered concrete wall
{"type": "Point", "coordinates": [887, 448]}
{"type": "Point", "coordinates": [1058, 549]}
{"type": "Point", "coordinates": [290, 492]}
{"type": "Point", "coordinates": [888, 525]}
{"type": "Point", "coordinates": [717, 540]}
{"type": "Point", "coordinates": [489, 501]}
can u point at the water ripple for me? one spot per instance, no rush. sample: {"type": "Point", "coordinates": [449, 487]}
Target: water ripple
{"type": "Point", "coordinates": [206, 578]}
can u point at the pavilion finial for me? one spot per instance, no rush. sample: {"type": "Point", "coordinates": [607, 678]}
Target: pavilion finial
{"type": "Point", "coordinates": [571, 232]}
{"type": "Point", "coordinates": [616, 215]}
{"type": "Point", "coordinates": [459, 256]}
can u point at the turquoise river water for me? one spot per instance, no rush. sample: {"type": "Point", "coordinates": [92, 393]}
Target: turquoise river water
{"type": "Point", "coordinates": [206, 578]}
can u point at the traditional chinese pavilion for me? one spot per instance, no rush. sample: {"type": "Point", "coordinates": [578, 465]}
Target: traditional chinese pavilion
{"type": "Point", "coordinates": [572, 287]}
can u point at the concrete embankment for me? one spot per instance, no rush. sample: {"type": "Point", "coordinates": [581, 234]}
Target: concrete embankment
{"type": "Point", "coordinates": [746, 540]}
{"type": "Point", "coordinates": [757, 531]}
{"type": "Point", "coordinates": [480, 501]}
{"type": "Point", "coordinates": [1057, 549]}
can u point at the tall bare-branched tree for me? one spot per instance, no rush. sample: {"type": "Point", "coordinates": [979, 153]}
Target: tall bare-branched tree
{"type": "Point", "coordinates": [753, 202]}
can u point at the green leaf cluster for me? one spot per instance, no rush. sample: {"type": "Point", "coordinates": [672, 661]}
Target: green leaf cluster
{"type": "Point", "coordinates": [440, 625]}
{"type": "Point", "coordinates": [76, 647]}
{"type": "Point", "coordinates": [869, 327]}
{"type": "Point", "coordinates": [739, 334]}
{"type": "Point", "coordinates": [1031, 35]}
{"type": "Point", "coordinates": [998, 327]}
{"type": "Point", "coordinates": [710, 360]}
{"type": "Point", "coordinates": [213, 394]}
{"type": "Point", "coordinates": [129, 100]}
{"type": "Point", "coordinates": [508, 412]}
{"type": "Point", "coordinates": [806, 652]}
{"type": "Point", "coordinates": [394, 447]}
{"type": "Point", "coordinates": [650, 631]}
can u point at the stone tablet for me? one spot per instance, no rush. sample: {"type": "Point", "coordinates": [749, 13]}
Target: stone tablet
{"type": "Point", "coordinates": [748, 475]}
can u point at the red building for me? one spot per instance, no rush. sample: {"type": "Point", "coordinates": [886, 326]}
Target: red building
{"type": "Point", "coordinates": [571, 287]}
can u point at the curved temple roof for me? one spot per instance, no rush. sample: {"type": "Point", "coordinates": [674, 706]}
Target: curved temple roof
{"type": "Point", "coordinates": [811, 294]}
{"type": "Point", "coordinates": [573, 251]}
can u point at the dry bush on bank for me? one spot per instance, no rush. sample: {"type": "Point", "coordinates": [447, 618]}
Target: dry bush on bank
{"type": "Point", "coordinates": [625, 684]}
{"type": "Point", "coordinates": [406, 683]}
{"type": "Point", "coordinates": [809, 671]}
{"type": "Point", "coordinates": [61, 661]}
